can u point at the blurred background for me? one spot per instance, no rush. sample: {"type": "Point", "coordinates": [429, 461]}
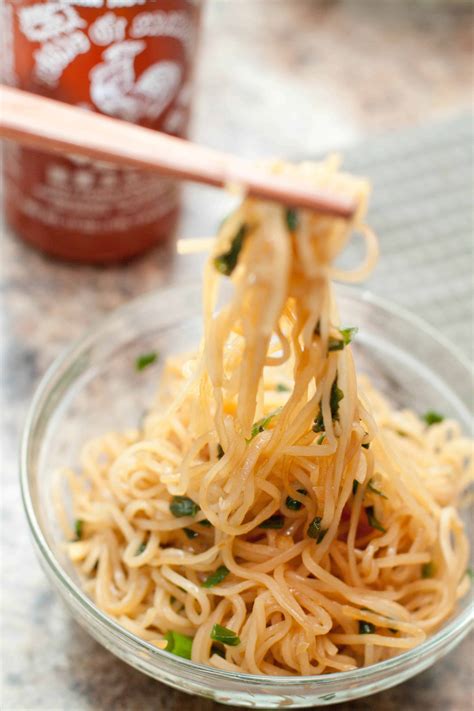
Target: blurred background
{"type": "Point", "coordinates": [389, 84]}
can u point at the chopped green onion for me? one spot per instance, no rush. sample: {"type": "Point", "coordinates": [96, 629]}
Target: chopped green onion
{"type": "Point", "coordinates": [190, 533]}
{"type": "Point", "coordinates": [337, 344]}
{"type": "Point", "coordinates": [146, 359]}
{"type": "Point", "coordinates": [355, 486]}
{"type": "Point", "coordinates": [282, 388]}
{"type": "Point", "coordinates": [292, 219]}
{"type": "Point", "coordinates": [470, 573]}
{"type": "Point", "coordinates": [432, 418]}
{"type": "Point", "coordinates": [225, 263]}
{"type": "Point", "coordinates": [140, 548]}
{"type": "Point", "coordinates": [262, 424]}
{"type": "Point", "coordinates": [205, 523]}
{"type": "Point", "coordinates": [401, 433]}
{"type": "Point", "coordinates": [366, 445]}
{"type": "Point", "coordinates": [276, 521]}
{"type": "Point", "coordinates": [318, 424]}
{"type": "Point", "coordinates": [225, 636]}
{"type": "Point", "coordinates": [220, 451]}
{"type": "Point", "coordinates": [373, 521]}
{"type": "Point", "coordinates": [78, 526]}
{"type": "Point", "coordinates": [314, 528]}
{"type": "Point", "coordinates": [216, 577]}
{"type": "Point", "coordinates": [366, 627]}
{"type": "Point", "coordinates": [320, 439]}
{"type": "Point", "coordinates": [217, 650]}
{"type": "Point", "coordinates": [321, 535]}
{"type": "Point", "coordinates": [179, 644]}
{"type": "Point", "coordinates": [348, 334]}
{"type": "Point", "coordinates": [371, 487]}
{"type": "Point", "coordinates": [428, 570]}
{"type": "Point", "coordinates": [336, 396]}
{"type": "Point", "coordinates": [294, 504]}
{"type": "Point", "coordinates": [183, 506]}
{"type": "Point", "coordinates": [334, 399]}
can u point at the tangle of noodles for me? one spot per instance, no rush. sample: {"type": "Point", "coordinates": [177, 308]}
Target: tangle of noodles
{"type": "Point", "coordinates": [329, 517]}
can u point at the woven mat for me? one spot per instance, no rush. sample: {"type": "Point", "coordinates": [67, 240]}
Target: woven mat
{"type": "Point", "coordinates": [422, 210]}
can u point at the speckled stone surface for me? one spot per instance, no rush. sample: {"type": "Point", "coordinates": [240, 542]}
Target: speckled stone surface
{"type": "Point", "coordinates": [277, 77]}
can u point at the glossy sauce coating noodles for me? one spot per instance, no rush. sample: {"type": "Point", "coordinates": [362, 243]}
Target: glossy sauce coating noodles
{"type": "Point", "coordinates": [275, 515]}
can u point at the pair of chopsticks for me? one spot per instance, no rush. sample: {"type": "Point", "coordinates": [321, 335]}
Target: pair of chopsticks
{"type": "Point", "coordinates": [54, 126]}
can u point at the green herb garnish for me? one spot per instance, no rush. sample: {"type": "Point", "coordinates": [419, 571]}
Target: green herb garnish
{"type": "Point", "coordinates": [225, 263]}
{"type": "Point", "coordinates": [337, 344]}
{"type": "Point", "coordinates": [179, 644]}
{"type": "Point", "coordinates": [320, 439]}
{"type": "Point", "coordinates": [428, 569]}
{"type": "Point", "coordinates": [144, 360]}
{"type": "Point", "coordinates": [276, 521]}
{"type": "Point", "coordinates": [282, 388]}
{"type": "Point", "coordinates": [321, 535]}
{"type": "Point", "coordinates": [470, 573]}
{"type": "Point", "coordinates": [373, 521]}
{"type": "Point", "coordinates": [215, 649]}
{"type": "Point", "coordinates": [216, 577]}
{"type": "Point", "coordinates": [220, 451]}
{"type": "Point", "coordinates": [314, 528]}
{"type": "Point", "coordinates": [292, 219]}
{"type": "Point", "coordinates": [189, 533]}
{"type": "Point", "coordinates": [334, 399]}
{"type": "Point", "coordinates": [371, 487]}
{"type": "Point", "coordinates": [432, 418]}
{"type": "Point", "coordinates": [294, 504]}
{"type": "Point", "coordinates": [348, 334]}
{"type": "Point", "coordinates": [336, 396]}
{"type": "Point", "coordinates": [78, 526]}
{"type": "Point", "coordinates": [183, 506]}
{"type": "Point", "coordinates": [318, 424]}
{"type": "Point", "coordinates": [140, 548]}
{"type": "Point", "coordinates": [225, 636]}
{"type": "Point", "coordinates": [262, 424]}
{"type": "Point", "coordinates": [366, 627]}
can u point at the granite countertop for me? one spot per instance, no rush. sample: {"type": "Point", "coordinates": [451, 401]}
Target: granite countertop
{"type": "Point", "coordinates": [291, 78]}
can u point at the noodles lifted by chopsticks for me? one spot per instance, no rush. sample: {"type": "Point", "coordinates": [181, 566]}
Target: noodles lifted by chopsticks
{"type": "Point", "coordinates": [275, 515]}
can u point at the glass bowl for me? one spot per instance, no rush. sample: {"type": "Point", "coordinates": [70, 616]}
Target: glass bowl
{"type": "Point", "coordinates": [94, 387]}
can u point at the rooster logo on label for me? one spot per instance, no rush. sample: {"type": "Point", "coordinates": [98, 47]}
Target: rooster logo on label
{"type": "Point", "coordinates": [117, 91]}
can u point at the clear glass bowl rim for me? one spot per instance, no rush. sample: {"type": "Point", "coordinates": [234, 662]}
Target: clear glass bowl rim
{"type": "Point", "coordinates": [455, 629]}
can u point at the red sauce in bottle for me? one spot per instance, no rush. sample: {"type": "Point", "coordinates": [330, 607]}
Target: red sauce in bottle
{"type": "Point", "coordinates": [131, 59]}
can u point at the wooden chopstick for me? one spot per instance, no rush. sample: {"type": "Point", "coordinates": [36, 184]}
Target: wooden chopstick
{"type": "Point", "coordinates": [54, 126]}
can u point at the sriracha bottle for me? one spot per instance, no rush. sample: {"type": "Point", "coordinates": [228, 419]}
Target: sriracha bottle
{"type": "Point", "coordinates": [131, 59]}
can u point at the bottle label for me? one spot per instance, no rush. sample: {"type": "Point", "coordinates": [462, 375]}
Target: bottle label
{"type": "Point", "coordinates": [74, 194]}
